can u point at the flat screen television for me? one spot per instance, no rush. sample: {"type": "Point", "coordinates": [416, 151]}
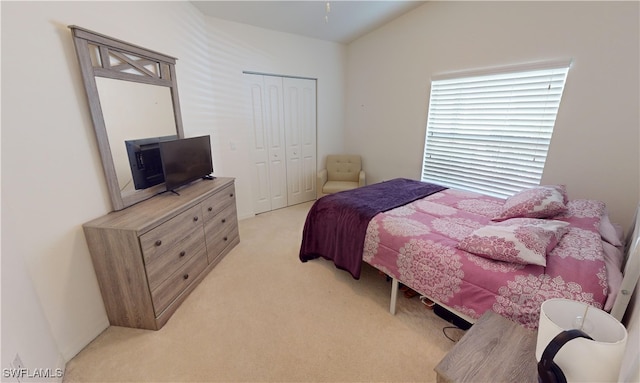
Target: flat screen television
{"type": "Point", "coordinates": [145, 161]}
{"type": "Point", "coordinates": [185, 160]}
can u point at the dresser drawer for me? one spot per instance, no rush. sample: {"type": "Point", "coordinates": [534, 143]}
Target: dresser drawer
{"type": "Point", "coordinates": [170, 288]}
{"type": "Point", "coordinates": [220, 231]}
{"type": "Point", "coordinates": [155, 242]}
{"type": "Point", "coordinates": [214, 204]}
{"type": "Point", "coordinates": [168, 262]}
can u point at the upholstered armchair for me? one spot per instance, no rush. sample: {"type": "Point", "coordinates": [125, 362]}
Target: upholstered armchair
{"type": "Point", "coordinates": [342, 172]}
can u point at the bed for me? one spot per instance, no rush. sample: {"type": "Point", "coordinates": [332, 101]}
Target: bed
{"type": "Point", "coordinates": [470, 253]}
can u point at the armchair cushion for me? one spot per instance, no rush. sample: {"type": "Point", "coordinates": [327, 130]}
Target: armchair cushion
{"type": "Point", "coordinates": [343, 168]}
{"type": "Point", "coordinates": [343, 172]}
{"type": "Point", "coordinates": [335, 186]}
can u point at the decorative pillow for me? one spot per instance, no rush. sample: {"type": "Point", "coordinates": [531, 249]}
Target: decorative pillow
{"type": "Point", "coordinates": [537, 202]}
{"type": "Point", "coordinates": [517, 240]}
{"type": "Point", "coordinates": [562, 189]}
{"type": "Point", "coordinates": [608, 231]}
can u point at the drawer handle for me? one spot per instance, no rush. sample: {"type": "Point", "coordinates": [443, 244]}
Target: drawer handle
{"type": "Point", "coordinates": [182, 254]}
{"type": "Point", "coordinates": [231, 195]}
{"type": "Point", "coordinates": [185, 277]}
{"type": "Point", "coordinates": [225, 238]}
{"type": "Point", "coordinates": [210, 208]}
{"type": "Point", "coordinates": [195, 219]}
{"type": "Point", "coordinates": [224, 220]}
{"type": "Point", "coordinates": [158, 242]}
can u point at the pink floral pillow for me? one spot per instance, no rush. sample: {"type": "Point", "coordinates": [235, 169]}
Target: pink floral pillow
{"type": "Point", "coordinates": [517, 240]}
{"type": "Point", "coordinates": [537, 202]}
{"type": "Point", "coordinates": [562, 189]}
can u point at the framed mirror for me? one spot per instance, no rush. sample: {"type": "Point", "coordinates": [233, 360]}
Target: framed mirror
{"type": "Point", "coordinates": [133, 95]}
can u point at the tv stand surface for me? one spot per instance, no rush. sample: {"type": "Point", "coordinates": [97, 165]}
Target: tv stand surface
{"type": "Point", "coordinates": [150, 256]}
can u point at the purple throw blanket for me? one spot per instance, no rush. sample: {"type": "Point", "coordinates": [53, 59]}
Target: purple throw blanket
{"type": "Point", "coordinates": [337, 223]}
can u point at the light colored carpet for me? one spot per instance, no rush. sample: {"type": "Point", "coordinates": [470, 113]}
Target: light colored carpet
{"type": "Point", "coordinates": [262, 315]}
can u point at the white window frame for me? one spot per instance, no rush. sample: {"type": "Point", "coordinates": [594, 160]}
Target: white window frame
{"type": "Point", "coordinates": [489, 131]}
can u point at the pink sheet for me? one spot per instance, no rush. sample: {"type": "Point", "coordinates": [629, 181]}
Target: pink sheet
{"type": "Point", "coordinates": [416, 244]}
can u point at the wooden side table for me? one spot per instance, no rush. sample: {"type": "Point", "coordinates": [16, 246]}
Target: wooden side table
{"type": "Point", "coordinates": [495, 349]}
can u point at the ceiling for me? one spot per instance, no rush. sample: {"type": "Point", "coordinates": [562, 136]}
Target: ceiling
{"type": "Point", "coordinates": [345, 21]}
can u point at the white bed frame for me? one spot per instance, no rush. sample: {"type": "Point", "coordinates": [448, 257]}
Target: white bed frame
{"type": "Point", "coordinates": [630, 270]}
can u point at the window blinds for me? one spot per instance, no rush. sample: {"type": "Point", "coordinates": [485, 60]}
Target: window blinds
{"type": "Point", "coordinates": [491, 133]}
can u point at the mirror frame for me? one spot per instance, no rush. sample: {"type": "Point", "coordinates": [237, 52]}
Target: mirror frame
{"type": "Point", "coordinates": [132, 57]}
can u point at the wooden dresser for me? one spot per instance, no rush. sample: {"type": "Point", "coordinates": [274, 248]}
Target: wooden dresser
{"type": "Point", "coordinates": [150, 256]}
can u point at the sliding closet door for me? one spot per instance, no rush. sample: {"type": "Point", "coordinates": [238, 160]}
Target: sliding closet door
{"type": "Point", "coordinates": [277, 149]}
{"type": "Point", "coordinates": [300, 130]}
{"type": "Point", "coordinates": [283, 129]}
{"type": "Point", "coordinates": [269, 155]}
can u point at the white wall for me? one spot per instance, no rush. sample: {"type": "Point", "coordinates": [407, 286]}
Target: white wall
{"type": "Point", "coordinates": [25, 329]}
{"type": "Point", "coordinates": [594, 148]}
{"type": "Point", "coordinates": [52, 178]}
{"type": "Point", "coordinates": [236, 48]}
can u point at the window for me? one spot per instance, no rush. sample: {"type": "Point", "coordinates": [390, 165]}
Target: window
{"type": "Point", "coordinates": [490, 133]}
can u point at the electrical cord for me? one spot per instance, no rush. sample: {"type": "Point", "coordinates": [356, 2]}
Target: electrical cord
{"type": "Point", "coordinates": [444, 331]}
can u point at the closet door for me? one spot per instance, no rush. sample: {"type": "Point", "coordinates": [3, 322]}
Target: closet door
{"type": "Point", "coordinates": [300, 131]}
{"type": "Point", "coordinates": [276, 133]}
{"type": "Point", "coordinates": [267, 128]}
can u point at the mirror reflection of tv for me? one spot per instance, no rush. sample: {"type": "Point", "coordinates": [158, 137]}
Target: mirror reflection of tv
{"type": "Point", "coordinates": [145, 161]}
{"type": "Point", "coordinates": [185, 160]}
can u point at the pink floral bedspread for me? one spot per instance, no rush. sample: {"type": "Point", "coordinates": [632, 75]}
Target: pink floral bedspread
{"type": "Point", "coordinates": [416, 244]}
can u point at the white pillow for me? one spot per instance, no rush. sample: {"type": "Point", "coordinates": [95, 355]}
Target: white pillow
{"type": "Point", "coordinates": [613, 259]}
{"type": "Point", "coordinates": [613, 254]}
{"type": "Point", "coordinates": [608, 231]}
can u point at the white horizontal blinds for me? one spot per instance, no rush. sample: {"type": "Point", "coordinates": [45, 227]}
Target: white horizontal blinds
{"type": "Point", "coordinates": [491, 133]}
